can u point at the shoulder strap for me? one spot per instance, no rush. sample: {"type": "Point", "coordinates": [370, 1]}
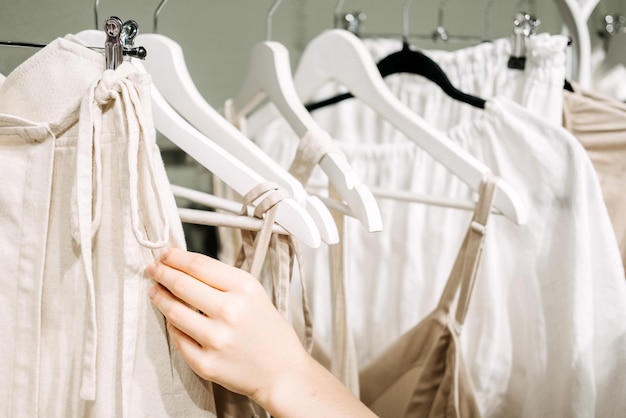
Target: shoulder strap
{"type": "Point", "coordinates": [464, 271]}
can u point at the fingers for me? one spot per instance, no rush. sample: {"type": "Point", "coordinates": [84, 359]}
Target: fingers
{"type": "Point", "coordinates": [185, 287]}
{"type": "Point", "coordinates": [201, 360]}
{"type": "Point", "coordinates": [179, 315]}
{"type": "Point", "coordinates": [212, 272]}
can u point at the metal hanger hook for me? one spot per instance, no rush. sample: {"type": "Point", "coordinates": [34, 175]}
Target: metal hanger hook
{"type": "Point", "coordinates": [440, 34]}
{"type": "Point", "coordinates": [440, 12]}
{"type": "Point", "coordinates": [96, 3]}
{"type": "Point", "coordinates": [268, 19]}
{"type": "Point", "coordinates": [337, 15]}
{"type": "Point", "coordinates": [405, 20]}
{"type": "Point", "coordinates": [157, 12]}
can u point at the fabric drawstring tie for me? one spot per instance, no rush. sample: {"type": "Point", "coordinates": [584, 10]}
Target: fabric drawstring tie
{"type": "Point", "coordinates": [256, 245]}
{"type": "Point", "coordinates": [115, 91]}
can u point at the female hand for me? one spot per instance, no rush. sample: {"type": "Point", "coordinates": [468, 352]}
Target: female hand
{"type": "Point", "coordinates": [239, 339]}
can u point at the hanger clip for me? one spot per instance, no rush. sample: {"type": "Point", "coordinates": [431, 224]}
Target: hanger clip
{"type": "Point", "coordinates": [130, 29]}
{"type": "Point", "coordinates": [353, 22]}
{"type": "Point", "coordinates": [119, 42]}
{"type": "Point", "coordinates": [112, 45]}
{"type": "Point", "coordinates": [612, 25]}
{"type": "Point", "coordinates": [524, 26]}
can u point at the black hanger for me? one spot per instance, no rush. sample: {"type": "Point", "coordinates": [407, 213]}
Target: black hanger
{"type": "Point", "coordinates": [410, 61]}
{"type": "Point", "coordinates": [568, 86]}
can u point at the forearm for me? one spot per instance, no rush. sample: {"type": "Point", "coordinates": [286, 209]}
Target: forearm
{"type": "Point", "coordinates": [309, 390]}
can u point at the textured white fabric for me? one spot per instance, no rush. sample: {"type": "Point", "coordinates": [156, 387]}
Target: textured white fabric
{"type": "Point", "coordinates": [547, 329]}
{"type": "Point", "coordinates": [85, 202]}
{"type": "Point", "coordinates": [482, 70]}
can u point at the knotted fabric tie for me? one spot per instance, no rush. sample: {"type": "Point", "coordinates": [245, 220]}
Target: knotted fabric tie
{"type": "Point", "coordinates": [283, 251]}
{"type": "Point", "coordinates": [313, 146]}
{"type": "Point", "coordinates": [116, 91]}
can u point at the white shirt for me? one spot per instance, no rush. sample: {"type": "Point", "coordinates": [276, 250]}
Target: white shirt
{"type": "Point", "coordinates": [546, 329]}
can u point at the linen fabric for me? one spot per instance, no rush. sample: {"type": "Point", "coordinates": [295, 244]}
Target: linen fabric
{"type": "Point", "coordinates": [546, 323]}
{"type": "Point", "coordinates": [340, 358]}
{"type": "Point", "coordinates": [423, 373]}
{"type": "Point", "coordinates": [85, 208]}
{"type": "Point", "coordinates": [546, 326]}
{"type": "Point", "coordinates": [599, 123]}
{"type": "Point", "coordinates": [277, 253]}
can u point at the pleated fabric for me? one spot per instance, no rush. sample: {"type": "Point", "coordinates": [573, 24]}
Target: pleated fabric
{"type": "Point", "coordinates": [546, 327]}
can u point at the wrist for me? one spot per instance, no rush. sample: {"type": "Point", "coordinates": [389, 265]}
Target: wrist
{"type": "Point", "coordinates": [305, 389]}
{"type": "Point", "coordinates": [297, 379]}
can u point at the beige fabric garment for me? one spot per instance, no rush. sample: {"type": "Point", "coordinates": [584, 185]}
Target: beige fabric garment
{"type": "Point", "coordinates": [423, 373]}
{"type": "Point", "coordinates": [599, 123]}
{"type": "Point", "coordinates": [340, 359]}
{"type": "Point", "coordinates": [281, 251]}
{"type": "Point", "coordinates": [85, 207]}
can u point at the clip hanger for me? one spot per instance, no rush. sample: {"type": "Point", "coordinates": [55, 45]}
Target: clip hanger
{"type": "Point", "coordinates": [114, 47]}
{"type": "Point", "coordinates": [113, 54]}
{"type": "Point", "coordinates": [524, 26]}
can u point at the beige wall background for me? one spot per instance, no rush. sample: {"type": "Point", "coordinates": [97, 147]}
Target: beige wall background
{"type": "Point", "coordinates": [217, 35]}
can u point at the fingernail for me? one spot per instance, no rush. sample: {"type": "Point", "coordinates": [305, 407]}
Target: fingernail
{"type": "Point", "coordinates": [152, 291]}
{"type": "Point", "coordinates": [152, 269]}
{"type": "Point", "coordinates": [164, 253]}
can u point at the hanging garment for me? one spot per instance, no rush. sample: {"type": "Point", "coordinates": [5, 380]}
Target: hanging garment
{"type": "Point", "coordinates": [480, 70]}
{"type": "Point", "coordinates": [340, 358]}
{"type": "Point", "coordinates": [281, 252]}
{"type": "Point", "coordinates": [599, 123]}
{"type": "Point", "coordinates": [85, 207]}
{"type": "Point", "coordinates": [423, 373]}
{"type": "Point", "coordinates": [540, 301]}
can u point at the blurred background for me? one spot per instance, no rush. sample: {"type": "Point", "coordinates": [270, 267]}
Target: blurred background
{"type": "Point", "coordinates": [217, 37]}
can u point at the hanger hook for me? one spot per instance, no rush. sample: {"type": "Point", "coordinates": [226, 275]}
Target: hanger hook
{"type": "Point", "coordinates": [268, 20]}
{"type": "Point", "coordinates": [441, 11]}
{"type": "Point", "coordinates": [157, 12]}
{"type": "Point", "coordinates": [337, 15]}
{"type": "Point", "coordinates": [440, 34]}
{"type": "Point", "coordinates": [96, 3]}
{"type": "Point", "coordinates": [405, 21]}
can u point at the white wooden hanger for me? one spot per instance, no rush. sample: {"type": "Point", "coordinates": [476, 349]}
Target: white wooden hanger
{"type": "Point", "coordinates": [575, 15]}
{"type": "Point", "coordinates": [338, 55]}
{"type": "Point", "coordinates": [231, 219]}
{"type": "Point", "coordinates": [166, 64]}
{"type": "Point", "coordinates": [269, 76]}
{"type": "Point", "coordinates": [293, 217]}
